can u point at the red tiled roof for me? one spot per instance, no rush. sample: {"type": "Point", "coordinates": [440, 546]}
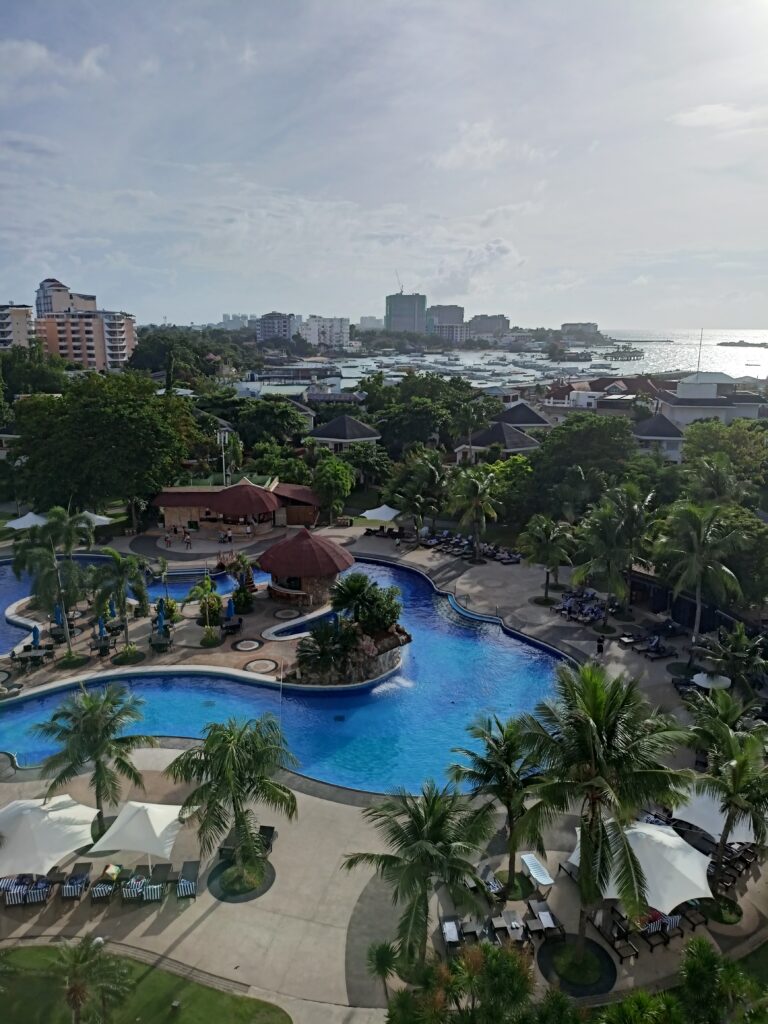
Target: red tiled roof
{"type": "Point", "coordinates": [241, 499]}
{"type": "Point", "coordinates": [297, 492]}
{"type": "Point", "coordinates": [304, 554]}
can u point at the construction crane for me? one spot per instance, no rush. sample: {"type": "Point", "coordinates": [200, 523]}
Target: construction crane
{"type": "Point", "coordinates": [400, 283]}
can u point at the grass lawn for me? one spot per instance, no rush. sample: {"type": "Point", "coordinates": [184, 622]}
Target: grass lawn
{"type": "Point", "coordinates": [29, 997]}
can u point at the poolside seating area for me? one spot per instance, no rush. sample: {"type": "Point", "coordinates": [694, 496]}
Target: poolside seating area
{"type": "Point", "coordinates": [459, 545]}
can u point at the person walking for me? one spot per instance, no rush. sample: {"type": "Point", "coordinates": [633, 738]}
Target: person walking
{"type": "Point", "coordinates": [600, 646]}
{"type": "Point", "coordinates": [167, 540]}
{"type": "Point", "coordinates": [187, 541]}
{"type": "Point", "coordinates": [229, 535]}
{"type": "Point", "coordinates": [248, 530]}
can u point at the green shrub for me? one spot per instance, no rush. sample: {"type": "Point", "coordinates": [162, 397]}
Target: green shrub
{"type": "Point", "coordinates": [243, 600]}
{"type": "Point", "coordinates": [381, 610]}
{"type": "Point", "coordinates": [214, 605]}
{"type": "Point", "coordinates": [211, 637]}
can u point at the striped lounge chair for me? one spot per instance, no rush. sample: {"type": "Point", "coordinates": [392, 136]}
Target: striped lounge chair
{"type": "Point", "coordinates": [40, 891]}
{"type": "Point", "coordinates": [78, 881]}
{"type": "Point", "coordinates": [157, 884]}
{"type": "Point", "coordinates": [654, 934]}
{"type": "Point", "coordinates": [132, 891]}
{"type": "Point", "coordinates": [16, 893]}
{"type": "Point", "coordinates": [186, 883]}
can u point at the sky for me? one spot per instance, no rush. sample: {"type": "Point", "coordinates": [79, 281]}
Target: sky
{"type": "Point", "coordinates": [548, 159]}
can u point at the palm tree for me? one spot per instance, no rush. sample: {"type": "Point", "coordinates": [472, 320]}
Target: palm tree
{"type": "Point", "coordinates": [474, 501]}
{"type": "Point", "coordinates": [545, 542]}
{"type": "Point", "coordinates": [351, 594]}
{"type": "Point", "coordinates": [635, 513]}
{"type": "Point", "coordinates": [736, 655]}
{"type": "Point", "coordinates": [381, 961]}
{"type": "Point", "coordinates": [116, 577]}
{"type": "Point", "coordinates": [163, 564]}
{"type": "Point", "coordinates": [467, 420]}
{"type": "Point", "coordinates": [67, 531]}
{"type": "Point", "coordinates": [92, 980]}
{"type": "Point", "coordinates": [641, 1007]}
{"type": "Point", "coordinates": [713, 480]}
{"type": "Point", "coordinates": [712, 985]}
{"type": "Point", "coordinates": [692, 548]}
{"type": "Point", "coordinates": [412, 502]}
{"type": "Point", "coordinates": [204, 592]}
{"type": "Point", "coordinates": [501, 771]}
{"type": "Point", "coordinates": [432, 477]}
{"type": "Point", "coordinates": [717, 714]}
{"type": "Point", "coordinates": [740, 783]}
{"type": "Point", "coordinates": [432, 838]}
{"type": "Point", "coordinates": [599, 744]}
{"type": "Point", "coordinates": [233, 767]}
{"type": "Point", "coordinates": [604, 550]}
{"type": "Point", "coordinates": [89, 728]}
{"type": "Point", "coordinates": [318, 652]}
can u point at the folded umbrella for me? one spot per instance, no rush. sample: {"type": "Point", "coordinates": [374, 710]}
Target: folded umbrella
{"type": "Point", "coordinates": [102, 629]}
{"type": "Point", "coordinates": [112, 609]}
{"type": "Point", "coordinates": [35, 636]}
{"type": "Point", "coordinates": [230, 612]}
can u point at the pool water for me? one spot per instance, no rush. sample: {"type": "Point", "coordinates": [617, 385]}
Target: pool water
{"type": "Point", "coordinates": [399, 733]}
{"type": "Point", "coordinates": [178, 584]}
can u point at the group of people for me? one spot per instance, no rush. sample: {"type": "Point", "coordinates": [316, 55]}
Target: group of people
{"type": "Point", "coordinates": [186, 538]}
{"type": "Point", "coordinates": [581, 606]}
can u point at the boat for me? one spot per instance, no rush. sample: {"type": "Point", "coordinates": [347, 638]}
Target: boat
{"type": "Point", "coordinates": [626, 353]}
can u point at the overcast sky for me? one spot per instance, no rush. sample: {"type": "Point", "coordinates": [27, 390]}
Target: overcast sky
{"type": "Point", "coordinates": [550, 159]}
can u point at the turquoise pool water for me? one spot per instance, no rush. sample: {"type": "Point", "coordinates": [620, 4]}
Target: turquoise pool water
{"type": "Point", "coordinates": [397, 734]}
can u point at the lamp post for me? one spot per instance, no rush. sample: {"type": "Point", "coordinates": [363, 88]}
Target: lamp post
{"type": "Point", "coordinates": [221, 437]}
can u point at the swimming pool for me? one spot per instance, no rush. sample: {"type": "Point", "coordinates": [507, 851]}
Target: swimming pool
{"type": "Point", "coordinates": [398, 733]}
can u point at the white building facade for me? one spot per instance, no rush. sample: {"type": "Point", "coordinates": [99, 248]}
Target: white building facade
{"type": "Point", "coordinates": [326, 331]}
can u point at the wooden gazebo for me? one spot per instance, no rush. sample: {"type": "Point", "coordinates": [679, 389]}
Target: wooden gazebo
{"type": "Point", "coordinates": [304, 567]}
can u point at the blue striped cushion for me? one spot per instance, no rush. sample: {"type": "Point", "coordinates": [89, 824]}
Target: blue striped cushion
{"type": "Point", "coordinates": [672, 922]}
{"type": "Point", "coordinates": [98, 892]}
{"type": "Point", "coordinates": [15, 896]}
{"type": "Point", "coordinates": [38, 894]}
{"type": "Point", "coordinates": [654, 926]}
{"type": "Point", "coordinates": [153, 892]}
{"type": "Point", "coordinates": [72, 889]}
{"type": "Point", "coordinates": [186, 888]}
{"type": "Point", "coordinates": [7, 883]}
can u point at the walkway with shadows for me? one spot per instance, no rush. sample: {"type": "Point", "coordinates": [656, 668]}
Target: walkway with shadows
{"type": "Point", "coordinates": [374, 919]}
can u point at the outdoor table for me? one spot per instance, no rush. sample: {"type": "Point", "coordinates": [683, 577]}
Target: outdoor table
{"type": "Point", "coordinates": [705, 681]}
{"type": "Point", "coordinates": [536, 871]}
{"type": "Point", "coordinates": [38, 655]}
{"type": "Point", "coordinates": [472, 927]}
{"type": "Point", "coordinates": [450, 931]}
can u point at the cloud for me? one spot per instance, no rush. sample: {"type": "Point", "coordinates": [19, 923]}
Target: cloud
{"type": "Point", "coordinates": [720, 116]}
{"type": "Point", "coordinates": [28, 69]}
{"type": "Point", "coordinates": [478, 146]}
{"type": "Point", "coordinates": [22, 147]}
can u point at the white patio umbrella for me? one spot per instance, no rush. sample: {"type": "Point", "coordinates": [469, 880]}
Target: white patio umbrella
{"type": "Point", "coordinates": [674, 871]}
{"type": "Point", "coordinates": [96, 519]}
{"type": "Point", "coordinates": [146, 828]}
{"type": "Point", "coordinates": [26, 521]}
{"type": "Point", "coordinates": [704, 810]}
{"type": "Point", "coordinates": [382, 514]}
{"type": "Point", "coordinates": [37, 835]}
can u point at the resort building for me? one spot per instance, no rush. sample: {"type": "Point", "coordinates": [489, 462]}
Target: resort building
{"type": "Point", "coordinates": [657, 433]}
{"type": "Point", "coordinates": [326, 331]}
{"type": "Point", "coordinates": [71, 326]}
{"type": "Point", "coordinates": [521, 416]}
{"type": "Point", "coordinates": [406, 313]}
{"type": "Point", "coordinates": [304, 567]}
{"type": "Point", "coordinates": [54, 297]}
{"type": "Point", "coordinates": [709, 396]}
{"type": "Point", "coordinates": [485, 324]}
{"type": "Point", "coordinates": [508, 439]}
{"type": "Point", "coordinates": [16, 325]}
{"type": "Point", "coordinates": [343, 431]}
{"type": "Point", "coordinates": [239, 506]}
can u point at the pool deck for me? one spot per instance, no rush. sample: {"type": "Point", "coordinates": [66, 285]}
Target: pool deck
{"type": "Point", "coordinates": [302, 944]}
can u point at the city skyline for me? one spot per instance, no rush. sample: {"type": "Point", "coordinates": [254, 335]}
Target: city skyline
{"type": "Point", "coordinates": [592, 162]}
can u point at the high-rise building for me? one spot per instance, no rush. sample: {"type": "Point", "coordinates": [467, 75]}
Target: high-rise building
{"type": "Point", "coordinates": [278, 325]}
{"type": "Point", "coordinates": [330, 331]}
{"type": "Point", "coordinates": [406, 313]}
{"type": "Point", "coordinates": [16, 325]}
{"type": "Point", "coordinates": [445, 315]}
{"type": "Point", "coordinates": [371, 323]}
{"type": "Point", "coordinates": [488, 324]}
{"type": "Point", "coordinates": [71, 325]}
{"type": "Point", "coordinates": [454, 334]}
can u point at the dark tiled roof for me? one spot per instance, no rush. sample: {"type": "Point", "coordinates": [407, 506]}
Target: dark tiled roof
{"type": "Point", "coordinates": [521, 415]}
{"type": "Point", "coordinates": [657, 426]}
{"type": "Point", "coordinates": [722, 401]}
{"type": "Point", "coordinates": [297, 492]}
{"type": "Point", "coordinates": [510, 439]}
{"type": "Point", "coordinates": [346, 397]}
{"type": "Point", "coordinates": [345, 428]}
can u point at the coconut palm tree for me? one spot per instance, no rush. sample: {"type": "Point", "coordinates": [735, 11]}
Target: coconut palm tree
{"type": "Point", "coordinates": [473, 500]}
{"type": "Point", "coordinates": [232, 768]}
{"type": "Point", "coordinates": [600, 746]}
{"type": "Point", "coordinates": [634, 509]}
{"type": "Point", "coordinates": [713, 480]}
{"type": "Point", "coordinates": [432, 838]}
{"type": "Point", "coordinates": [716, 715]}
{"type": "Point", "coordinates": [67, 530]}
{"type": "Point", "coordinates": [381, 961]}
{"type": "Point", "coordinates": [468, 419]}
{"type": "Point", "coordinates": [412, 501]}
{"type": "Point", "coordinates": [89, 728]}
{"type": "Point", "coordinates": [691, 551]}
{"type": "Point", "coordinates": [739, 782]}
{"type": "Point", "coordinates": [736, 655]}
{"type": "Point", "coordinates": [713, 986]}
{"type": "Point", "coordinates": [205, 594]}
{"type": "Point", "coordinates": [92, 981]}
{"type": "Point", "coordinates": [351, 594]}
{"type": "Point", "coordinates": [118, 576]}
{"type": "Point", "coordinates": [432, 476]}
{"type": "Point", "coordinates": [545, 542]}
{"type": "Point", "coordinates": [502, 771]}
{"type": "Point", "coordinates": [604, 551]}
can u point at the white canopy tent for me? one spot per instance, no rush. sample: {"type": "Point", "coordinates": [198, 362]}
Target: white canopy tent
{"type": "Point", "coordinates": [96, 520]}
{"type": "Point", "coordinates": [674, 871]}
{"type": "Point", "coordinates": [382, 514]}
{"type": "Point", "coordinates": [145, 828]}
{"type": "Point", "coordinates": [38, 834]}
{"type": "Point", "coordinates": [704, 810]}
{"type": "Point", "coordinates": [26, 521]}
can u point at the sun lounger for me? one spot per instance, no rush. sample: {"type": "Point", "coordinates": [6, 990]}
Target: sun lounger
{"type": "Point", "coordinates": [572, 870]}
{"type": "Point", "coordinates": [186, 883]}
{"type": "Point", "coordinates": [16, 893]}
{"type": "Point", "coordinates": [692, 914]}
{"type": "Point", "coordinates": [493, 886]}
{"type": "Point", "coordinates": [536, 871]}
{"type": "Point", "coordinates": [39, 891]}
{"type": "Point", "coordinates": [157, 884]}
{"type": "Point", "coordinates": [614, 934]}
{"type": "Point", "coordinates": [630, 639]}
{"type": "Point", "coordinates": [78, 881]}
{"type": "Point", "coordinates": [659, 653]}
{"type": "Point", "coordinates": [132, 891]}
{"type": "Point", "coordinates": [449, 928]}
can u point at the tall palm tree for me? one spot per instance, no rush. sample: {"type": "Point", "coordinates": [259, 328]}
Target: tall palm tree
{"type": "Point", "coordinates": [67, 530]}
{"type": "Point", "coordinates": [736, 655]}
{"type": "Point", "coordinates": [740, 783]}
{"type": "Point", "coordinates": [717, 714]}
{"type": "Point", "coordinates": [604, 551]}
{"type": "Point", "coordinates": [473, 500]}
{"type": "Point", "coordinates": [205, 594]}
{"type": "Point", "coordinates": [93, 982]}
{"type": "Point", "coordinates": [89, 727]}
{"type": "Point", "coordinates": [468, 419]}
{"type": "Point", "coordinates": [634, 510]}
{"type": "Point", "coordinates": [545, 542]}
{"type": "Point", "coordinates": [432, 476]}
{"type": "Point", "coordinates": [712, 985]}
{"type": "Point", "coordinates": [232, 768]}
{"type": "Point", "coordinates": [600, 746]}
{"type": "Point", "coordinates": [412, 501]}
{"type": "Point", "coordinates": [116, 577]}
{"type": "Point", "coordinates": [433, 838]}
{"type": "Point", "coordinates": [351, 594]}
{"type": "Point", "coordinates": [692, 548]}
{"type": "Point", "coordinates": [381, 961]}
{"type": "Point", "coordinates": [713, 480]}
{"type": "Point", "coordinates": [501, 770]}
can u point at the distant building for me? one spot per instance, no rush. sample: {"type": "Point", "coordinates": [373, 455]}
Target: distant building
{"type": "Point", "coordinates": [71, 326]}
{"type": "Point", "coordinates": [16, 326]}
{"type": "Point", "coordinates": [508, 439]}
{"type": "Point", "coordinates": [521, 416]}
{"type": "Point", "coordinates": [579, 328]}
{"type": "Point", "coordinates": [236, 321]}
{"type": "Point", "coordinates": [277, 325]}
{"type": "Point", "coordinates": [454, 334]}
{"type": "Point", "coordinates": [326, 331]}
{"type": "Point", "coordinates": [488, 324]}
{"type": "Point", "coordinates": [709, 396]}
{"type": "Point", "coordinates": [406, 313]}
{"type": "Point", "coordinates": [657, 433]}
{"type": "Point", "coordinates": [371, 323]}
{"type": "Point", "coordinates": [343, 431]}
{"type": "Point", "coordinates": [442, 315]}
